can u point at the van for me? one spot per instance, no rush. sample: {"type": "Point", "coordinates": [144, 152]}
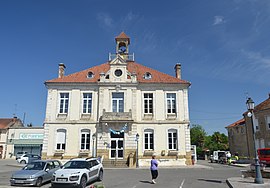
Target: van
{"type": "Point", "coordinates": [217, 156]}
{"type": "Point", "coordinates": [264, 155]}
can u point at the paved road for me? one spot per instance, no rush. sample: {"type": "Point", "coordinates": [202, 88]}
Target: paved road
{"type": "Point", "coordinates": [202, 175]}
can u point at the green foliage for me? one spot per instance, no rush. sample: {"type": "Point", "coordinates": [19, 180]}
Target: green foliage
{"type": "Point", "coordinates": [204, 142]}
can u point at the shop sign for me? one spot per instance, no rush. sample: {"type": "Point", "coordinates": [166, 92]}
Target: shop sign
{"type": "Point", "coordinates": [31, 136]}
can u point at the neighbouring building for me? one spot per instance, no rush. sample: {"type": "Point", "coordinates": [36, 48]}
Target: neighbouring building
{"type": "Point", "coordinates": [237, 137]}
{"type": "Point", "coordinates": [261, 122]}
{"type": "Point", "coordinates": [28, 139]}
{"type": "Point", "coordinates": [240, 133]}
{"type": "Point", "coordinates": [100, 110]}
{"type": "Point", "coordinates": [5, 125]}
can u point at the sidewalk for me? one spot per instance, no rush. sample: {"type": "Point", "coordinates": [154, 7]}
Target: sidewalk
{"type": "Point", "coordinates": [238, 182]}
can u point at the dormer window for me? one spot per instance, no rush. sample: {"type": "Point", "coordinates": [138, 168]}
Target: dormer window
{"type": "Point", "coordinates": [147, 76]}
{"type": "Point", "coordinates": [90, 75]}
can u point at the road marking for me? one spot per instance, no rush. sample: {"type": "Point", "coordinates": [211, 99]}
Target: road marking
{"type": "Point", "coordinates": [182, 183]}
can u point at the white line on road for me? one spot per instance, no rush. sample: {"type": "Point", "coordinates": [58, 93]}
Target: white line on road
{"type": "Point", "coordinates": [182, 183]}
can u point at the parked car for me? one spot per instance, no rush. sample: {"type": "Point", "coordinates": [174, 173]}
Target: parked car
{"type": "Point", "coordinates": [27, 158]}
{"type": "Point", "coordinates": [78, 172]}
{"type": "Point", "coordinates": [20, 153]}
{"type": "Point", "coordinates": [35, 173]}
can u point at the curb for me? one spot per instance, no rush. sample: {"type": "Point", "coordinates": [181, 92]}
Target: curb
{"type": "Point", "coordinates": [228, 183]}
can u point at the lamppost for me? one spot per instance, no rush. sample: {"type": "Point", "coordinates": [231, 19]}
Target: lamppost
{"type": "Point", "coordinates": [93, 138]}
{"type": "Point", "coordinates": [258, 175]}
{"type": "Point", "coordinates": [137, 149]}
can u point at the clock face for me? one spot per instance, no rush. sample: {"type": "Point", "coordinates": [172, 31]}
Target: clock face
{"type": "Point", "coordinates": [118, 72]}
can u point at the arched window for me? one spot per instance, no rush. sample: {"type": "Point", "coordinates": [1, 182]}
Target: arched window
{"type": "Point", "coordinates": [85, 139]}
{"type": "Point", "coordinates": [149, 139]}
{"type": "Point", "coordinates": [172, 139]}
{"type": "Point", "coordinates": [61, 139]}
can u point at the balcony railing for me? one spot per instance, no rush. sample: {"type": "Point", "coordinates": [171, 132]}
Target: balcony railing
{"type": "Point", "coordinates": [116, 116]}
{"type": "Point", "coordinates": [129, 57]}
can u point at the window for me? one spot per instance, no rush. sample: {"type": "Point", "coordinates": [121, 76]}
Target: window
{"type": "Point", "coordinates": [147, 76]}
{"type": "Point", "coordinates": [172, 139]}
{"type": "Point", "coordinates": [90, 75]}
{"type": "Point", "coordinates": [256, 124]}
{"type": "Point", "coordinates": [171, 103]}
{"type": "Point", "coordinates": [61, 139]}
{"type": "Point", "coordinates": [85, 139]}
{"type": "Point", "coordinates": [148, 103]}
{"type": "Point", "coordinates": [64, 100]}
{"type": "Point", "coordinates": [118, 102]}
{"type": "Point", "coordinates": [149, 139]}
{"type": "Point", "coordinates": [87, 103]}
{"type": "Point", "coordinates": [268, 122]}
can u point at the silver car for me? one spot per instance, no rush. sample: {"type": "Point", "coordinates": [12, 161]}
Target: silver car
{"type": "Point", "coordinates": [35, 173]}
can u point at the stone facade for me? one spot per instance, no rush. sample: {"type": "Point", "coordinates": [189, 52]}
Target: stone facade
{"type": "Point", "coordinates": [261, 122]}
{"type": "Point", "coordinates": [99, 112]}
{"type": "Point", "coordinates": [237, 137]}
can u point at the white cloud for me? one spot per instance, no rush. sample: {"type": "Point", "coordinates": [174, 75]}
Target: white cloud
{"type": "Point", "coordinates": [218, 20]}
{"type": "Point", "coordinates": [105, 19]}
{"type": "Point", "coordinates": [257, 59]}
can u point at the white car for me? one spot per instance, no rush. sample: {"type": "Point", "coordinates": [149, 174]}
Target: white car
{"type": "Point", "coordinates": [78, 172]}
{"type": "Point", "coordinates": [28, 158]}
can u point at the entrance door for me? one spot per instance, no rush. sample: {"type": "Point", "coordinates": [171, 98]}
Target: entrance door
{"type": "Point", "coordinates": [117, 146]}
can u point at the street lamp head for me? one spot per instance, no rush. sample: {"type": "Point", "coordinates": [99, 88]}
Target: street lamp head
{"type": "Point", "coordinates": [137, 136]}
{"type": "Point", "coordinates": [250, 104]}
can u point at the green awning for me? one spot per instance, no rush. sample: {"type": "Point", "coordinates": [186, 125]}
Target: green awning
{"type": "Point", "coordinates": [27, 142]}
{"type": "Point", "coordinates": [26, 145]}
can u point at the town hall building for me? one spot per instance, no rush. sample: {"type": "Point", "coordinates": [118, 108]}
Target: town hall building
{"type": "Point", "coordinates": [121, 111]}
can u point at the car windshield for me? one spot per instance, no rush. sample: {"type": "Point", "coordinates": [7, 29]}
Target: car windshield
{"type": "Point", "coordinates": [76, 164]}
{"type": "Point", "coordinates": [35, 166]}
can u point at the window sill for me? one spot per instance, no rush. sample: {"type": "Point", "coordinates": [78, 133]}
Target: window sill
{"type": "Point", "coordinates": [85, 116]}
{"type": "Point", "coordinates": [148, 116]}
{"type": "Point", "coordinates": [148, 152]}
{"type": "Point", "coordinates": [172, 153]}
{"type": "Point", "coordinates": [171, 116]}
{"type": "Point", "coordinates": [61, 116]}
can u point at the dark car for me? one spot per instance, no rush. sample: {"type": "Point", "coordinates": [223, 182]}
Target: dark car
{"type": "Point", "coordinates": [35, 173]}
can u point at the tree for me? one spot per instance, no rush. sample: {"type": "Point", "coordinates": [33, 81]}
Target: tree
{"type": "Point", "coordinates": [197, 135]}
{"type": "Point", "coordinates": [204, 142]}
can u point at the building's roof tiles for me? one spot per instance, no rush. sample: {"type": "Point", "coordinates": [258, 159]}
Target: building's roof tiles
{"type": "Point", "coordinates": [8, 122]}
{"type": "Point", "coordinates": [133, 67]}
{"type": "Point", "coordinates": [123, 36]}
{"type": "Point", "coordinates": [263, 105]}
{"type": "Point", "coordinates": [239, 122]}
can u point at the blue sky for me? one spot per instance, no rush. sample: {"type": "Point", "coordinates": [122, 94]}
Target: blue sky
{"type": "Point", "coordinates": [223, 46]}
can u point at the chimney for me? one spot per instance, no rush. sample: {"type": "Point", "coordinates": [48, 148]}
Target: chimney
{"type": "Point", "coordinates": [61, 70]}
{"type": "Point", "coordinates": [177, 69]}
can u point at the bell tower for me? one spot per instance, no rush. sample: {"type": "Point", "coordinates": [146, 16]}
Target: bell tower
{"type": "Point", "coordinates": [122, 44]}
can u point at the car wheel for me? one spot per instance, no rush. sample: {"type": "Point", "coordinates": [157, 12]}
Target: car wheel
{"type": "Point", "coordinates": [100, 175]}
{"type": "Point", "coordinates": [39, 182]}
{"type": "Point", "coordinates": [23, 162]}
{"type": "Point", "coordinates": [83, 182]}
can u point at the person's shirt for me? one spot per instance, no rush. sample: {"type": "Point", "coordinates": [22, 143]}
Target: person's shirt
{"type": "Point", "coordinates": [154, 164]}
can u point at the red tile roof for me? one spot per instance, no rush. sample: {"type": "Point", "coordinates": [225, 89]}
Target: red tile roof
{"type": "Point", "coordinates": [263, 106]}
{"type": "Point", "coordinates": [9, 122]}
{"type": "Point", "coordinates": [239, 122]}
{"type": "Point", "coordinates": [123, 36]}
{"type": "Point", "coordinates": [133, 67]}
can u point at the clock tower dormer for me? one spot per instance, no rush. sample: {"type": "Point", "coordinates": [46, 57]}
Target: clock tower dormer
{"type": "Point", "coordinates": [122, 44]}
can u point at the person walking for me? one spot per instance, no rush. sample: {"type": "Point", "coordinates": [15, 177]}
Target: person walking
{"type": "Point", "coordinates": [154, 168]}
